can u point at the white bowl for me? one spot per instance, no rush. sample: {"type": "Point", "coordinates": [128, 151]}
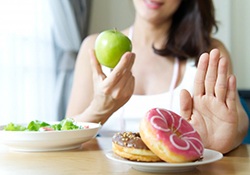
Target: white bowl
{"type": "Point", "coordinates": [35, 141]}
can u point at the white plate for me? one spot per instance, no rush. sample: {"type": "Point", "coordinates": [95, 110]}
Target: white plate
{"type": "Point", "coordinates": [35, 141]}
{"type": "Point", "coordinates": [209, 156]}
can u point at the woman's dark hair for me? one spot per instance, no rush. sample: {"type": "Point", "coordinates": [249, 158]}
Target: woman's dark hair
{"type": "Point", "coordinates": [190, 33]}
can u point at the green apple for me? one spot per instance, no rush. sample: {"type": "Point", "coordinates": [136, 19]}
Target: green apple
{"type": "Point", "coordinates": [110, 45]}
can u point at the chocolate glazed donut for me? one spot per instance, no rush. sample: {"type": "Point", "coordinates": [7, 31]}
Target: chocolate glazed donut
{"type": "Point", "coordinates": [130, 146]}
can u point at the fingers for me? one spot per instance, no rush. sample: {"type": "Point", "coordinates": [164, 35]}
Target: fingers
{"type": "Point", "coordinates": [121, 81]}
{"type": "Point", "coordinates": [211, 75]}
{"type": "Point", "coordinates": [222, 80]}
{"type": "Point", "coordinates": [125, 64]}
{"type": "Point", "coordinates": [127, 87]}
{"type": "Point", "coordinates": [186, 105]}
{"type": "Point", "coordinates": [122, 68]}
{"type": "Point", "coordinates": [231, 92]}
{"type": "Point", "coordinates": [199, 88]}
{"type": "Point", "coordinates": [118, 79]}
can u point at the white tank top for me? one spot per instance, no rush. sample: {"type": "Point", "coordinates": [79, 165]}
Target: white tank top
{"type": "Point", "coordinates": [128, 117]}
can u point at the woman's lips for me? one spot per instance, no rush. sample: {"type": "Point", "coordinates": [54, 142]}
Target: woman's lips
{"type": "Point", "coordinates": [153, 4]}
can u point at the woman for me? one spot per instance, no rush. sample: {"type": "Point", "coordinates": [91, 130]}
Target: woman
{"type": "Point", "coordinates": [170, 38]}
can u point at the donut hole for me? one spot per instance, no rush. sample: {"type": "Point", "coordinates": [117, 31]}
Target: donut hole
{"type": "Point", "coordinates": [177, 133]}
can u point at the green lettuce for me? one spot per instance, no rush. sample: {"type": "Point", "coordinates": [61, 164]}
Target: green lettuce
{"type": "Point", "coordinates": [36, 125]}
{"type": "Point", "coordinates": [14, 127]}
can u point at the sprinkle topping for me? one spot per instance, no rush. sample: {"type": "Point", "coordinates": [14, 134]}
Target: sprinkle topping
{"type": "Point", "coordinates": [129, 139]}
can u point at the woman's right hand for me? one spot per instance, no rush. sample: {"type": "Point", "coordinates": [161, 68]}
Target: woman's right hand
{"type": "Point", "coordinates": [113, 91]}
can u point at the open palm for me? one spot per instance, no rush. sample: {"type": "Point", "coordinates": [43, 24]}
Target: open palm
{"type": "Point", "coordinates": [212, 109]}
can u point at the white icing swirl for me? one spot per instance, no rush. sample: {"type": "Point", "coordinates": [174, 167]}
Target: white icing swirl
{"type": "Point", "coordinates": [172, 130]}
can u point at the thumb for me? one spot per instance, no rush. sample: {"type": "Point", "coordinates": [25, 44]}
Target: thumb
{"type": "Point", "coordinates": [95, 65]}
{"type": "Point", "coordinates": [186, 104]}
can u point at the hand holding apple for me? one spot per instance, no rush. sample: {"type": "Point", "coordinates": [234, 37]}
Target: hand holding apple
{"type": "Point", "coordinates": [110, 45]}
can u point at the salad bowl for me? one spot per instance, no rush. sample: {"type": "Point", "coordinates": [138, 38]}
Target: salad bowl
{"type": "Point", "coordinates": [52, 140]}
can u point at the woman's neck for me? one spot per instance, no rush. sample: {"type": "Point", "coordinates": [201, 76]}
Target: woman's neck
{"type": "Point", "coordinates": [145, 32]}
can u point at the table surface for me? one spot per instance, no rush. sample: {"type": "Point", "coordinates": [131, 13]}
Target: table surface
{"type": "Point", "coordinates": [90, 159]}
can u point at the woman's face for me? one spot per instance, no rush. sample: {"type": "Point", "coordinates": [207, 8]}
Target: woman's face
{"type": "Point", "coordinates": [156, 10]}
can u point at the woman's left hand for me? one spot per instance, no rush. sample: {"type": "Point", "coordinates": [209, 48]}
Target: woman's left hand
{"type": "Point", "coordinates": [212, 110]}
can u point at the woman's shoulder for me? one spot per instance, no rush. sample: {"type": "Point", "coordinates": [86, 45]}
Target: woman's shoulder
{"type": "Point", "coordinates": [216, 43]}
{"type": "Point", "coordinates": [89, 41]}
{"type": "Point", "coordinates": [87, 44]}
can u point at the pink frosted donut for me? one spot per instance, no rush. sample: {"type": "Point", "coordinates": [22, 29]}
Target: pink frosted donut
{"type": "Point", "coordinates": [170, 136]}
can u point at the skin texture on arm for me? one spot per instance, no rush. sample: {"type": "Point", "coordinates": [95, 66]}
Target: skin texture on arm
{"type": "Point", "coordinates": [82, 89]}
{"type": "Point", "coordinates": [215, 110]}
{"type": "Point", "coordinates": [94, 95]}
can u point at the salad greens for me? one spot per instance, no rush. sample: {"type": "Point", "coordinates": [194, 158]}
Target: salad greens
{"type": "Point", "coordinates": [36, 125]}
